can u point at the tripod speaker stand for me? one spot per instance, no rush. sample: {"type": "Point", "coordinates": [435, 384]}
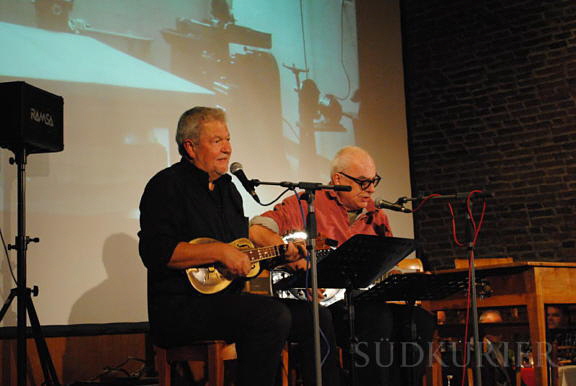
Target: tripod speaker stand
{"type": "Point", "coordinates": [35, 121]}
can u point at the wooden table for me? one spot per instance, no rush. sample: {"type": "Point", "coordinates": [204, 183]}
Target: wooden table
{"type": "Point", "coordinates": [529, 284]}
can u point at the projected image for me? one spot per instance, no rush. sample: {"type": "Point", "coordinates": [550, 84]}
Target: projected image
{"type": "Point", "coordinates": [284, 70]}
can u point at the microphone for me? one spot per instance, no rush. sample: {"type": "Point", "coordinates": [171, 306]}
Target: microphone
{"type": "Point", "coordinates": [383, 204]}
{"type": "Point", "coordinates": [236, 169]}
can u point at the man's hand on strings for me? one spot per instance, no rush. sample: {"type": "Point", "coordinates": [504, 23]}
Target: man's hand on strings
{"type": "Point", "coordinates": [235, 263]}
{"type": "Point", "coordinates": [295, 250]}
{"type": "Point", "coordinates": [299, 265]}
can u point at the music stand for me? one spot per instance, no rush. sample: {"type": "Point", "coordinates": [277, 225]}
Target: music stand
{"type": "Point", "coordinates": [355, 265]}
{"type": "Point", "coordinates": [413, 286]}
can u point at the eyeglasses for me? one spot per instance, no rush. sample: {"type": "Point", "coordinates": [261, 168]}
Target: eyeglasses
{"type": "Point", "coordinates": [364, 184]}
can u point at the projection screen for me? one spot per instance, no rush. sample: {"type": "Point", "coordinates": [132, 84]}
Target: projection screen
{"type": "Point", "coordinates": [286, 72]}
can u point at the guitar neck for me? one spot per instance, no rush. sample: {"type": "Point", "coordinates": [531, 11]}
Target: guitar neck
{"type": "Point", "coordinates": [265, 253]}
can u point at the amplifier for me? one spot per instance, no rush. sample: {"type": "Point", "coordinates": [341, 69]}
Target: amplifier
{"type": "Point", "coordinates": [30, 118]}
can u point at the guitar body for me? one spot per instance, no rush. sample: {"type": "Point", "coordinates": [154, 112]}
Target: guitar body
{"type": "Point", "coordinates": [210, 280]}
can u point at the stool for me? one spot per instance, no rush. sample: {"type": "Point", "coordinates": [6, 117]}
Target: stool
{"type": "Point", "coordinates": [212, 352]}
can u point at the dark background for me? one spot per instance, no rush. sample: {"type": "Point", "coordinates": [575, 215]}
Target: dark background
{"type": "Point", "coordinates": [490, 96]}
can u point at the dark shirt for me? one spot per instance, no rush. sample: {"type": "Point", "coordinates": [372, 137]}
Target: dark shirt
{"type": "Point", "coordinates": [178, 206]}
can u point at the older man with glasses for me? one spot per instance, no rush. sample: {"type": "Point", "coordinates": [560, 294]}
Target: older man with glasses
{"type": "Point", "coordinates": [339, 216]}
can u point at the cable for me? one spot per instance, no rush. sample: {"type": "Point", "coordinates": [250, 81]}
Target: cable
{"type": "Point", "coordinates": [453, 227]}
{"type": "Point", "coordinates": [277, 198]}
{"type": "Point", "coordinates": [344, 69]}
{"type": "Point", "coordinates": [469, 208]}
{"type": "Point", "coordinates": [325, 340]}
{"type": "Point", "coordinates": [303, 217]}
{"type": "Point", "coordinates": [303, 39]}
{"type": "Point", "coordinates": [8, 258]}
{"type": "Point", "coordinates": [476, 228]}
{"type": "Point", "coordinates": [119, 369]}
{"type": "Point", "coordinates": [424, 200]}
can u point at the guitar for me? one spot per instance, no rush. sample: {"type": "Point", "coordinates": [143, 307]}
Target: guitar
{"type": "Point", "coordinates": [210, 280]}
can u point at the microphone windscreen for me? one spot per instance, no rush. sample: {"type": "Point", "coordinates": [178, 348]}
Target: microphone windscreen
{"type": "Point", "coordinates": [235, 166]}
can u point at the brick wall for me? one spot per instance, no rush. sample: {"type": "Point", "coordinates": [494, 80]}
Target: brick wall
{"type": "Point", "coordinates": [491, 101]}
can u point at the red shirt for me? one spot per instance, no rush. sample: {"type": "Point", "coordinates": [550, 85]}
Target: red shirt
{"type": "Point", "coordinates": [331, 217]}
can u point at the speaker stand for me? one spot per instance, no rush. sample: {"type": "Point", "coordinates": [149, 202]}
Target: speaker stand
{"type": "Point", "coordinates": [25, 306]}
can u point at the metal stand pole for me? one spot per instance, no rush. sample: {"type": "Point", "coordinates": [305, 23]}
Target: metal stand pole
{"type": "Point", "coordinates": [352, 344]}
{"type": "Point", "coordinates": [474, 299]}
{"type": "Point", "coordinates": [23, 293]}
{"type": "Point", "coordinates": [311, 246]}
{"type": "Point", "coordinates": [474, 303]}
{"type": "Point", "coordinates": [310, 189]}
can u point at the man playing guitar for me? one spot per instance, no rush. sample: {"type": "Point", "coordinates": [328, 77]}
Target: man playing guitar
{"type": "Point", "coordinates": [193, 199]}
{"type": "Point", "coordinates": [340, 215]}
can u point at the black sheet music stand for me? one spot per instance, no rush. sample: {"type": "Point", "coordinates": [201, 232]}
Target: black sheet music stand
{"type": "Point", "coordinates": [355, 265]}
{"type": "Point", "coordinates": [414, 286]}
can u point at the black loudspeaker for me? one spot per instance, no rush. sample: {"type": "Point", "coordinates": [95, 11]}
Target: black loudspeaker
{"type": "Point", "coordinates": [30, 118]}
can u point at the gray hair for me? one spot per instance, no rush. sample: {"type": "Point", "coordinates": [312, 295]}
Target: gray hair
{"type": "Point", "coordinates": [345, 157]}
{"type": "Point", "coordinates": [191, 121]}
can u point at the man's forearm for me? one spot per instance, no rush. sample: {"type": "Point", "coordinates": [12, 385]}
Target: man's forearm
{"type": "Point", "coordinates": [187, 255]}
{"type": "Point", "coordinates": [262, 236]}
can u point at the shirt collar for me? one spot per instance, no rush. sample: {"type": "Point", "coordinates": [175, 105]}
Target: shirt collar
{"type": "Point", "coordinates": [200, 175]}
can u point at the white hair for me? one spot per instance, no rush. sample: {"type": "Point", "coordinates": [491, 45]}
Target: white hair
{"type": "Point", "coordinates": [346, 157]}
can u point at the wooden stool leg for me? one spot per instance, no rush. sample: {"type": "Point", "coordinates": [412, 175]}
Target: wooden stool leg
{"type": "Point", "coordinates": [216, 364]}
{"type": "Point", "coordinates": [285, 364]}
{"type": "Point", "coordinates": [212, 353]}
{"type": "Point", "coordinates": [163, 367]}
{"type": "Point", "coordinates": [470, 374]}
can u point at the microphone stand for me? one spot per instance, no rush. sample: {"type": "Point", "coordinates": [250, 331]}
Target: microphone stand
{"type": "Point", "coordinates": [473, 295]}
{"type": "Point", "coordinates": [310, 189]}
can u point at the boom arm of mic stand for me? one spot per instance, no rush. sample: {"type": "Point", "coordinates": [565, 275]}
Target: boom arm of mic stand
{"type": "Point", "coordinates": [309, 186]}
{"type": "Point", "coordinates": [457, 196]}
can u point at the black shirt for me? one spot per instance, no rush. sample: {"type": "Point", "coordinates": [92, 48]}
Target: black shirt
{"type": "Point", "coordinates": [178, 206]}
